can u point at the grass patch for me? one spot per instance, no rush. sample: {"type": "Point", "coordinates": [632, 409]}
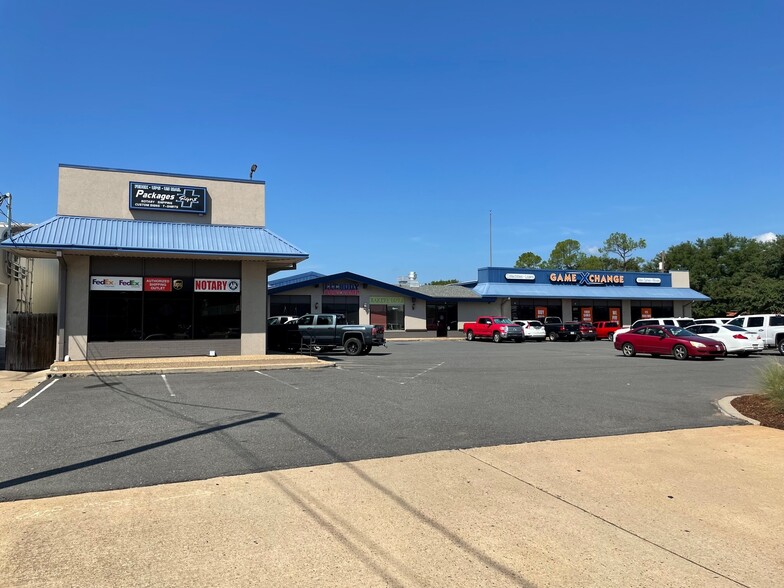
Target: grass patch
{"type": "Point", "coordinates": [772, 383]}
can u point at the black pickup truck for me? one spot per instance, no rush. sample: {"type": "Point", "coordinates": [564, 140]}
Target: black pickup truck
{"type": "Point", "coordinates": [325, 332]}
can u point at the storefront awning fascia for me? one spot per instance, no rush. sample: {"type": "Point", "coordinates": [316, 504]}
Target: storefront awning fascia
{"type": "Point", "coordinates": [102, 236]}
{"type": "Point", "coordinates": [499, 290]}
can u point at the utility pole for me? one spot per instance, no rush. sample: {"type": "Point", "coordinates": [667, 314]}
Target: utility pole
{"type": "Point", "coordinates": [491, 238]}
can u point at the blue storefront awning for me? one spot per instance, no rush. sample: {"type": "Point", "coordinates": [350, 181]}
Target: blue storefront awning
{"type": "Point", "coordinates": [508, 290]}
{"type": "Point", "coordinates": [102, 236]}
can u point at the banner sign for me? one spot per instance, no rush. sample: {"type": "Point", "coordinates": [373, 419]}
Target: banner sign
{"type": "Point", "coordinates": [167, 198]}
{"type": "Point", "coordinates": [645, 313]}
{"type": "Point", "coordinates": [347, 289]}
{"type": "Point", "coordinates": [116, 283]}
{"type": "Point", "coordinates": [387, 300]}
{"type": "Point", "coordinates": [158, 284]}
{"type": "Point", "coordinates": [587, 314]}
{"type": "Point", "coordinates": [215, 285]}
{"type": "Point", "coordinates": [586, 279]}
{"type": "Point", "coordinates": [615, 314]}
{"type": "Point", "coordinates": [540, 312]}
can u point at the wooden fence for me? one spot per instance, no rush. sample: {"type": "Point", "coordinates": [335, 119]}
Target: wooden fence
{"type": "Point", "coordinates": [30, 341]}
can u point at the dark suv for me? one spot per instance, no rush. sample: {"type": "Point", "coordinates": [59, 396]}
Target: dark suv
{"type": "Point", "coordinates": [587, 331]}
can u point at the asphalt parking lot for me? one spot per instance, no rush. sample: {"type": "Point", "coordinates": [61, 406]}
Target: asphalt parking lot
{"type": "Point", "coordinates": [90, 434]}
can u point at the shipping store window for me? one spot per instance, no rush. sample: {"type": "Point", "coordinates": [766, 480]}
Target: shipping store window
{"type": "Point", "coordinates": [162, 316]}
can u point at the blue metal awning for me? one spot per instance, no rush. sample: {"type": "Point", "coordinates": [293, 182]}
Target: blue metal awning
{"type": "Point", "coordinates": [102, 236]}
{"type": "Point", "coordinates": [587, 292]}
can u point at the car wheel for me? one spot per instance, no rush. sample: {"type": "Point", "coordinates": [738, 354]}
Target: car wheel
{"type": "Point", "coordinates": [680, 352]}
{"type": "Point", "coordinates": [628, 350]}
{"type": "Point", "coordinates": [610, 337]}
{"type": "Point", "coordinates": [496, 337]}
{"type": "Point", "coordinates": [578, 337]}
{"type": "Point", "coordinates": [353, 346]}
{"type": "Point", "coordinates": [469, 336]}
{"type": "Point", "coordinates": [366, 350]}
{"type": "Point", "coordinates": [781, 346]}
{"type": "Point", "coordinates": [553, 336]}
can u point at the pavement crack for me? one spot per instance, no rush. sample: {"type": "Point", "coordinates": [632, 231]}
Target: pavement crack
{"type": "Point", "coordinates": [604, 520]}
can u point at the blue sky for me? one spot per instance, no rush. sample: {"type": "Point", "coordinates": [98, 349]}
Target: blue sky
{"type": "Point", "coordinates": [387, 131]}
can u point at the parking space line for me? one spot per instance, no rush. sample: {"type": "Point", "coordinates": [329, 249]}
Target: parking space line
{"type": "Point", "coordinates": [276, 379]}
{"type": "Point", "coordinates": [49, 385]}
{"type": "Point", "coordinates": [165, 381]}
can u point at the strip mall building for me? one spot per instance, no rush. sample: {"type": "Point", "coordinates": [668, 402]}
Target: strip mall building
{"type": "Point", "coordinates": [154, 264]}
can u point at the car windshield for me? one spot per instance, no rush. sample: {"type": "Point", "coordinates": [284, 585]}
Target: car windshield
{"type": "Point", "coordinates": [534, 324]}
{"type": "Point", "coordinates": [502, 321]}
{"type": "Point", "coordinates": [734, 328]}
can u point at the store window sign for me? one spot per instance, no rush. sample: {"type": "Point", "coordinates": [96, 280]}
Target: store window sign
{"type": "Point", "coordinates": [215, 285]}
{"type": "Point", "coordinates": [586, 279]}
{"type": "Point", "coordinates": [520, 277]}
{"type": "Point", "coordinates": [157, 284]}
{"type": "Point", "coordinates": [346, 289]}
{"type": "Point", "coordinates": [116, 283]}
{"type": "Point", "coordinates": [386, 300]}
{"type": "Point", "coordinates": [167, 198]}
{"type": "Point", "coordinates": [645, 313]}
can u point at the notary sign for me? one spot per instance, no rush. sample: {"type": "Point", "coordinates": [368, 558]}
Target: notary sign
{"type": "Point", "coordinates": [215, 285]}
{"type": "Point", "coordinates": [167, 198]}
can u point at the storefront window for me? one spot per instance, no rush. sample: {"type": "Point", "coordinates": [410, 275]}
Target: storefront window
{"type": "Point", "coordinates": [115, 316]}
{"type": "Point", "coordinates": [437, 311]}
{"type": "Point", "coordinates": [171, 312]}
{"type": "Point", "coordinates": [391, 316]}
{"type": "Point", "coordinates": [345, 305]}
{"type": "Point", "coordinates": [282, 305]}
{"type": "Point", "coordinates": [657, 308]}
{"type": "Point", "coordinates": [535, 308]}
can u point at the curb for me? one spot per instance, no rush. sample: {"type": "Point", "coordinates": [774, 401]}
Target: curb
{"type": "Point", "coordinates": [725, 406]}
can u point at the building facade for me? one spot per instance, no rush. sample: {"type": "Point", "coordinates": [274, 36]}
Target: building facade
{"type": "Point", "coordinates": [155, 264]}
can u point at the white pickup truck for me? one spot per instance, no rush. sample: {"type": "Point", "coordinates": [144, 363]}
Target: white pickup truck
{"type": "Point", "coordinates": [769, 326]}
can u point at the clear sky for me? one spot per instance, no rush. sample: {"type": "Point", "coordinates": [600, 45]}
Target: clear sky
{"type": "Point", "coordinates": [387, 131]}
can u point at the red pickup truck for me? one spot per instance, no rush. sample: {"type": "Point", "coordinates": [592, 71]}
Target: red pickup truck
{"type": "Point", "coordinates": [497, 328]}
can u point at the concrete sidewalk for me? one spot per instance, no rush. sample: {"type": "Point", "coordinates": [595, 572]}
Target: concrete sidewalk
{"type": "Point", "coordinates": [698, 507]}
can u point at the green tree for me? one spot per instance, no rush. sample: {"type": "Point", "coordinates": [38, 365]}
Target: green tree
{"type": "Point", "coordinates": [529, 259]}
{"type": "Point", "coordinates": [622, 245]}
{"type": "Point", "coordinates": [738, 273]}
{"type": "Point", "coordinates": [442, 282]}
{"type": "Point", "coordinates": [595, 262]}
{"type": "Point", "coordinates": [566, 255]}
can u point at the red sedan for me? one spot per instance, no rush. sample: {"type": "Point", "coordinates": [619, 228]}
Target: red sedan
{"type": "Point", "coordinates": [664, 340]}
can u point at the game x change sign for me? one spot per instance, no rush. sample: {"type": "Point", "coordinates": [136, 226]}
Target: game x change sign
{"type": "Point", "coordinates": [168, 198]}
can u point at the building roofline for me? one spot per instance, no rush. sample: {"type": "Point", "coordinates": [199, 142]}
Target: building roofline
{"type": "Point", "coordinates": [157, 173]}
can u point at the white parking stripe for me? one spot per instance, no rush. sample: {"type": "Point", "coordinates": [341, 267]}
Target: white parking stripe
{"type": "Point", "coordinates": [276, 379]}
{"type": "Point", "coordinates": [49, 385]}
{"type": "Point", "coordinates": [165, 381]}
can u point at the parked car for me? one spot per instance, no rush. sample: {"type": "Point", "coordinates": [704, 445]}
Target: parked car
{"type": "Point", "coordinates": [280, 320]}
{"type": "Point", "coordinates": [606, 329]}
{"type": "Point", "coordinates": [324, 332]}
{"type": "Point", "coordinates": [667, 340]}
{"type": "Point", "coordinates": [569, 331]}
{"type": "Point", "coordinates": [532, 330]}
{"type": "Point", "coordinates": [587, 331]}
{"type": "Point", "coordinates": [681, 321]}
{"type": "Point", "coordinates": [769, 326]}
{"type": "Point", "coordinates": [713, 321]}
{"type": "Point", "coordinates": [497, 328]}
{"type": "Point", "coordinates": [738, 341]}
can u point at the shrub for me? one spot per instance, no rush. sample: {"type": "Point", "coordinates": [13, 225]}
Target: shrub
{"type": "Point", "coordinates": [772, 383]}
